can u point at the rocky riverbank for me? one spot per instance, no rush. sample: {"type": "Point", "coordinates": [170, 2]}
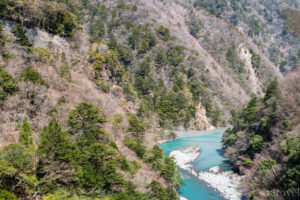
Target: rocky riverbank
{"type": "Point", "coordinates": [227, 183]}
{"type": "Point", "coordinates": [184, 157]}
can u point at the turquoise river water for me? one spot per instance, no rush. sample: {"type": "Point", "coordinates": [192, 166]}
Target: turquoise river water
{"type": "Point", "coordinates": [211, 154]}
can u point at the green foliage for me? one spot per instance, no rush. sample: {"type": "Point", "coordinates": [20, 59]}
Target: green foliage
{"type": "Point", "coordinates": [156, 156]}
{"type": "Point", "coordinates": [99, 169]}
{"type": "Point", "coordinates": [271, 90]}
{"type": "Point", "coordinates": [136, 127]}
{"type": "Point", "coordinates": [229, 141]}
{"type": "Point", "coordinates": [30, 74]}
{"type": "Point", "coordinates": [117, 120]}
{"type": "Point", "coordinates": [216, 7]}
{"type": "Point", "coordinates": [2, 36]}
{"type": "Point", "coordinates": [56, 18]}
{"type": "Point", "coordinates": [250, 111]}
{"type": "Point", "coordinates": [248, 162]}
{"type": "Point", "coordinates": [125, 165]}
{"type": "Point", "coordinates": [22, 38]}
{"type": "Point", "coordinates": [175, 55]}
{"type": "Point", "coordinates": [292, 146]}
{"type": "Point", "coordinates": [163, 33]}
{"type": "Point", "coordinates": [195, 25]}
{"type": "Point", "coordinates": [172, 135]}
{"type": "Point", "coordinates": [88, 164]}
{"type": "Point", "coordinates": [169, 170]}
{"type": "Point", "coordinates": [3, 41]}
{"type": "Point", "coordinates": [161, 58]}
{"type": "Point", "coordinates": [255, 26]}
{"type": "Point", "coordinates": [266, 164]}
{"type": "Point", "coordinates": [157, 191]}
{"type": "Point", "coordinates": [136, 146]}
{"type": "Point", "coordinates": [97, 30]}
{"type": "Point", "coordinates": [18, 156]}
{"type": "Point", "coordinates": [86, 120]}
{"type": "Point", "coordinates": [54, 143]}
{"type": "Point", "coordinates": [7, 84]}
{"type": "Point", "coordinates": [26, 134]}
{"type": "Point", "coordinates": [255, 59]}
{"type": "Point", "coordinates": [174, 108]}
{"type": "Point", "coordinates": [286, 122]}
{"type": "Point", "coordinates": [64, 71]}
{"type": "Point", "coordinates": [255, 144]}
{"type": "Point", "coordinates": [6, 195]}
{"type": "Point", "coordinates": [104, 86]}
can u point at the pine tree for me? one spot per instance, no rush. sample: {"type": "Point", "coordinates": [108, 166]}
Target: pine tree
{"type": "Point", "coordinates": [26, 134]}
{"type": "Point", "coordinates": [54, 142]}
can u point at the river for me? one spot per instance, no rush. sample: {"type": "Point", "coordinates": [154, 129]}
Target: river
{"type": "Point", "coordinates": [211, 154]}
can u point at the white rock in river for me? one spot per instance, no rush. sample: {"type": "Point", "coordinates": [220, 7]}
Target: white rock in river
{"type": "Point", "coordinates": [215, 169]}
{"type": "Point", "coordinates": [227, 183]}
{"type": "Point", "coordinates": [183, 157]}
{"type": "Point", "coordinates": [182, 198]}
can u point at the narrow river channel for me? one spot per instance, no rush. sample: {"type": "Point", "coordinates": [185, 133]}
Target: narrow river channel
{"type": "Point", "coordinates": [211, 154]}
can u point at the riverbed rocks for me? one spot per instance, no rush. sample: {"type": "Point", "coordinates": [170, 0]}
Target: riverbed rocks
{"type": "Point", "coordinates": [227, 183]}
{"type": "Point", "coordinates": [215, 169]}
{"type": "Point", "coordinates": [183, 157]}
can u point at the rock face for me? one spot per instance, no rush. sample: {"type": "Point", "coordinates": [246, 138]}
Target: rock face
{"type": "Point", "coordinates": [201, 121]}
{"type": "Point", "coordinates": [246, 57]}
{"type": "Point", "coordinates": [183, 157]}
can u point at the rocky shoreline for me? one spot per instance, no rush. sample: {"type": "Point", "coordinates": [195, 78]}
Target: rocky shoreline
{"type": "Point", "coordinates": [227, 183]}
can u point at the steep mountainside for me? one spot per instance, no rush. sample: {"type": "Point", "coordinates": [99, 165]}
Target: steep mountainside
{"type": "Point", "coordinates": [264, 141]}
{"type": "Point", "coordinates": [114, 76]}
{"type": "Point", "coordinates": [271, 25]}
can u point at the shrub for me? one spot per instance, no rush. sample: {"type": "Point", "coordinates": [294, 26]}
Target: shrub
{"type": "Point", "coordinates": [117, 120]}
{"type": "Point", "coordinates": [22, 38]}
{"type": "Point", "coordinates": [125, 165]}
{"type": "Point", "coordinates": [64, 71]}
{"type": "Point", "coordinates": [271, 90]}
{"type": "Point", "coordinates": [175, 55]}
{"type": "Point", "coordinates": [163, 33]}
{"type": "Point", "coordinates": [247, 162]}
{"type": "Point", "coordinates": [286, 122]}
{"type": "Point", "coordinates": [20, 157]}
{"type": "Point", "coordinates": [137, 147]}
{"type": "Point", "coordinates": [266, 164]}
{"type": "Point", "coordinates": [292, 146]}
{"type": "Point", "coordinates": [172, 135]}
{"type": "Point", "coordinates": [255, 144]}
{"type": "Point", "coordinates": [229, 141]}
{"type": "Point", "coordinates": [136, 127]}
{"type": "Point", "coordinates": [30, 74]}
{"type": "Point", "coordinates": [6, 195]}
{"type": "Point", "coordinates": [26, 134]}
{"type": "Point", "coordinates": [7, 84]}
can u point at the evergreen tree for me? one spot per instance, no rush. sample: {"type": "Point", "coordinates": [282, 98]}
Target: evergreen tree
{"type": "Point", "coordinates": [26, 134]}
{"type": "Point", "coordinates": [54, 143]}
{"type": "Point", "coordinates": [85, 121]}
{"type": "Point", "coordinates": [22, 38]}
{"type": "Point", "coordinates": [271, 90]}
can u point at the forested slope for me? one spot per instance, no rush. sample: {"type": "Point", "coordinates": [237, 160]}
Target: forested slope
{"type": "Point", "coordinates": [264, 141]}
{"type": "Point", "coordinates": [85, 84]}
